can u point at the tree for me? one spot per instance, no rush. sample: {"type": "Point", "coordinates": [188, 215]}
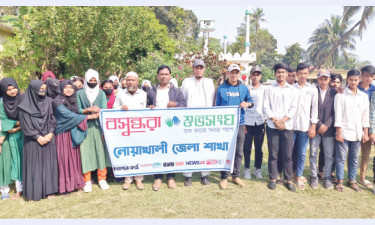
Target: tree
{"type": "Point", "coordinates": [182, 25]}
{"type": "Point", "coordinates": [256, 18]}
{"type": "Point", "coordinates": [70, 40]}
{"type": "Point", "coordinates": [9, 10]}
{"type": "Point", "coordinates": [294, 54]}
{"type": "Point", "coordinates": [214, 44]}
{"type": "Point", "coordinates": [349, 11]}
{"type": "Point", "coordinates": [262, 42]}
{"type": "Point", "coordinates": [326, 36]}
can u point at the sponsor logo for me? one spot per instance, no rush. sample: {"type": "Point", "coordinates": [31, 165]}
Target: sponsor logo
{"type": "Point", "coordinates": [211, 161]}
{"type": "Point", "coordinates": [174, 121]}
{"type": "Point", "coordinates": [228, 161]}
{"type": "Point", "coordinates": [168, 164]}
{"type": "Point", "coordinates": [119, 168]}
{"type": "Point", "coordinates": [146, 165]}
{"type": "Point", "coordinates": [156, 165]}
{"type": "Point", "coordinates": [179, 163]}
{"type": "Point", "coordinates": [190, 163]}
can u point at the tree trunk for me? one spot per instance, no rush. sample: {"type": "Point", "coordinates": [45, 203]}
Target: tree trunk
{"type": "Point", "coordinates": [319, 64]}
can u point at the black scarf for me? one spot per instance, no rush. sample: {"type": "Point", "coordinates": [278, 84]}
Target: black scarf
{"type": "Point", "coordinates": [70, 102]}
{"type": "Point", "coordinates": [35, 103]}
{"type": "Point", "coordinates": [53, 88]}
{"type": "Point", "coordinates": [10, 103]}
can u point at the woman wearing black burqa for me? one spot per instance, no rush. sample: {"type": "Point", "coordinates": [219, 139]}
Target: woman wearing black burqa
{"type": "Point", "coordinates": [40, 171]}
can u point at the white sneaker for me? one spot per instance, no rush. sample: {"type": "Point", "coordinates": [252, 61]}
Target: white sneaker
{"type": "Point", "coordinates": [88, 187]}
{"type": "Point", "coordinates": [258, 174]}
{"type": "Point", "coordinates": [103, 184]}
{"type": "Point", "coordinates": [247, 174]}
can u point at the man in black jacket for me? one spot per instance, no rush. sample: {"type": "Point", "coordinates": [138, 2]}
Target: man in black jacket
{"type": "Point", "coordinates": [164, 95]}
{"type": "Point", "coordinates": [325, 131]}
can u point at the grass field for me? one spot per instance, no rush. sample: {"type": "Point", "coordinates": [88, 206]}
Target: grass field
{"type": "Point", "coordinates": [253, 201]}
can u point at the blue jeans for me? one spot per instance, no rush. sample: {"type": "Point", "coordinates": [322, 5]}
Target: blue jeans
{"type": "Point", "coordinates": [301, 141]}
{"type": "Point", "coordinates": [341, 150]}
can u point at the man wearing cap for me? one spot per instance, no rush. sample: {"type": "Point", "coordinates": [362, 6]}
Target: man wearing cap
{"type": "Point", "coordinates": [198, 91]}
{"type": "Point", "coordinates": [254, 122]}
{"type": "Point", "coordinates": [164, 95]}
{"type": "Point", "coordinates": [131, 98]}
{"type": "Point", "coordinates": [325, 131]}
{"type": "Point", "coordinates": [233, 92]}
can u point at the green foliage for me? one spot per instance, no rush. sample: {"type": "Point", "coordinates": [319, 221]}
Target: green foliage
{"type": "Point", "coordinates": [182, 25]}
{"type": "Point", "coordinates": [267, 74]}
{"type": "Point", "coordinates": [214, 44]}
{"type": "Point", "coordinates": [70, 40]}
{"type": "Point", "coordinates": [294, 54]}
{"type": "Point", "coordinates": [262, 42]}
{"type": "Point", "coordinates": [325, 37]}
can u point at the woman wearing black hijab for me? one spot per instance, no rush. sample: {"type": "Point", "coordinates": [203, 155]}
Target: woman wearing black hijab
{"type": "Point", "coordinates": [40, 171]}
{"type": "Point", "coordinates": [70, 131]}
{"type": "Point", "coordinates": [53, 88]}
{"type": "Point", "coordinates": [11, 138]}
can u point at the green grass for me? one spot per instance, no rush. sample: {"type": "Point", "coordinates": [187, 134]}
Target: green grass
{"type": "Point", "coordinates": [253, 201]}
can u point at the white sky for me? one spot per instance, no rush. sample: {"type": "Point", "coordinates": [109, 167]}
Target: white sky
{"type": "Point", "coordinates": [288, 24]}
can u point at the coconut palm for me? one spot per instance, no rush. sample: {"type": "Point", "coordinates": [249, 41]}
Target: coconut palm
{"type": "Point", "coordinates": [256, 18]}
{"type": "Point", "coordinates": [349, 12]}
{"type": "Point", "coordinates": [326, 36]}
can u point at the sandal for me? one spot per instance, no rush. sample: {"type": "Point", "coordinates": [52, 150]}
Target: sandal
{"type": "Point", "coordinates": [300, 185]}
{"type": "Point", "coordinates": [367, 184]}
{"type": "Point", "coordinates": [333, 179]}
{"type": "Point", "coordinates": [339, 186]}
{"type": "Point", "coordinates": [353, 185]}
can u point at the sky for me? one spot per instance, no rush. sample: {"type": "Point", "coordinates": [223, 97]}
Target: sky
{"type": "Point", "coordinates": [288, 24]}
{"type": "Point", "coordinates": [289, 21]}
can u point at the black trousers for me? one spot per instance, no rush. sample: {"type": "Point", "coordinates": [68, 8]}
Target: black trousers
{"type": "Point", "coordinates": [255, 132]}
{"type": "Point", "coordinates": [238, 155]}
{"type": "Point", "coordinates": [280, 141]}
{"type": "Point", "coordinates": [169, 176]}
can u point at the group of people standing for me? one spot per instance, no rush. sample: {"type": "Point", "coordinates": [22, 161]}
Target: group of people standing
{"type": "Point", "coordinates": [335, 122]}
{"type": "Point", "coordinates": [51, 140]}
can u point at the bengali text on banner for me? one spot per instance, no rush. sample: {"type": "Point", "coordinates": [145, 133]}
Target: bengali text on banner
{"type": "Point", "coordinates": [142, 142]}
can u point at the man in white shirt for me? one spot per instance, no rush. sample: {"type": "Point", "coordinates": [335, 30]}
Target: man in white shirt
{"type": "Point", "coordinates": [254, 122]}
{"type": "Point", "coordinates": [279, 107]}
{"type": "Point", "coordinates": [198, 92]}
{"type": "Point", "coordinates": [305, 120]}
{"type": "Point", "coordinates": [164, 95]}
{"type": "Point", "coordinates": [131, 98]}
{"type": "Point", "coordinates": [325, 131]}
{"type": "Point", "coordinates": [352, 125]}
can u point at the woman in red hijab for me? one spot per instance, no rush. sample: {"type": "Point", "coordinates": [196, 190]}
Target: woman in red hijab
{"type": "Point", "coordinates": [48, 75]}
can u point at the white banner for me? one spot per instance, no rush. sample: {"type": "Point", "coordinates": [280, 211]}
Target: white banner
{"type": "Point", "coordinates": [157, 141]}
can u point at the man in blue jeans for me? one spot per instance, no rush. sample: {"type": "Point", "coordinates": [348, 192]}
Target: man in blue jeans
{"type": "Point", "coordinates": [352, 125]}
{"type": "Point", "coordinates": [233, 92]}
{"type": "Point", "coordinates": [305, 120]}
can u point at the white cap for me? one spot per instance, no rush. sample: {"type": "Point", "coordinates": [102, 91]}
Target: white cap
{"type": "Point", "coordinates": [131, 73]}
{"type": "Point", "coordinates": [233, 67]}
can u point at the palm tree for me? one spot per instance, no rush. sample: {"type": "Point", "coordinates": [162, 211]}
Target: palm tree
{"type": "Point", "coordinates": [256, 18]}
{"type": "Point", "coordinates": [349, 11]}
{"type": "Point", "coordinates": [326, 36]}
